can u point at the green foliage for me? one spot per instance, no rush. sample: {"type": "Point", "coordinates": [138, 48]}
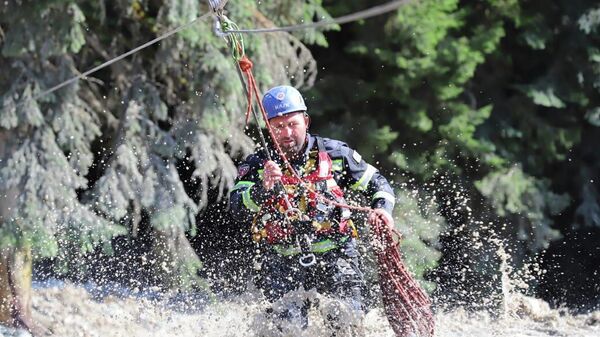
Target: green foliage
{"type": "Point", "coordinates": [20, 111]}
{"type": "Point", "coordinates": [590, 21]}
{"type": "Point", "coordinates": [132, 126]}
{"type": "Point", "coordinates": [543, 95]}
{"type": "Point", "coordinates": [536, 33]}
{"type": "Point", "coordinates": [59, 29]}
{"type": "Point", "coordinates": [512, 192]}
{"type": "Point", "coordinates": [593, 116]}
{"type": "Point", "coordinates": [430, 51]}
{"type": "Point", "coordinates": [472, 89]}
{"type": "Point", "coordinates": [461, 128]}
{"type": "Point", "coordinates": [46, 201]}
{"type": "Point", "coordinates": [142, 169]}
{"type": "Point", "coordinates": [383, 137]}
{"type": "Point", "coordinates": [418, 220]}
{"type": "Point", "coordinates": [290, 12]}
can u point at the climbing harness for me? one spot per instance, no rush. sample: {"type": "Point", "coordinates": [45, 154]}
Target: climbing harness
{"type": "Point", "coordinates": [324, 218]}
{"type": "Point", "coordinates": [316, 226]}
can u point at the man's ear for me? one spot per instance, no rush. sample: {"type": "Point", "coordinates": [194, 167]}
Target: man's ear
{"type": "Point", "coordinates": [307, 120]}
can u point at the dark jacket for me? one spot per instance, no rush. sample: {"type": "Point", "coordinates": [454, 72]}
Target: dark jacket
{"type": "Point", "coordinates": [349, 170]}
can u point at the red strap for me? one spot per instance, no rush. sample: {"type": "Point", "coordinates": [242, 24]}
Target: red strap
{"type": "Point", "coordinates": [246, 67]}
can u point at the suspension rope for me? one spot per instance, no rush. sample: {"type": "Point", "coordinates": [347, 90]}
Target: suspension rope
{"type": "Point", "coordinates": [364, 14]}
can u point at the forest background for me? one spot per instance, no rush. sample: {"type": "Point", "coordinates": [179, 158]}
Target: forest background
{"type": "Point", "coordinates": [485, 115]}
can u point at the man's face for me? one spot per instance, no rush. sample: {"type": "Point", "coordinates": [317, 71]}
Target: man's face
{"type": "Point", "coordinates": [290, 132]}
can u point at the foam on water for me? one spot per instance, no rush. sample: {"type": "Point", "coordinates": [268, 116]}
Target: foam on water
{"type": "Point", "coordinates": [113, 310]}
{"type": "Point", "coordinates": [71, 310]}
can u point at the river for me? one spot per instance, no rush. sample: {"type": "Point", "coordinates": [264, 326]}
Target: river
{"type": "Point", "coordinates": [87, 310]}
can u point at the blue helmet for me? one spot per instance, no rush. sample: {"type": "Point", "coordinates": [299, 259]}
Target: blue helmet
{"type": "Point", "coordinates": [282, 100]}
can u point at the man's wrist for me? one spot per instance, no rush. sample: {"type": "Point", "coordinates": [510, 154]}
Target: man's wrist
{"type": "Point", "coordinates": [386, 214]}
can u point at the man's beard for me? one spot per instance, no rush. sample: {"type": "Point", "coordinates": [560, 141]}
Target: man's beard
{"type": "Point", "coordinates": [292, 150]}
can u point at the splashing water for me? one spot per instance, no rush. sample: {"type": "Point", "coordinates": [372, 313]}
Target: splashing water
{"type": "Point", "coordinates": [91, 310]}
{"type": "Point", "coordinates": [71, 310]}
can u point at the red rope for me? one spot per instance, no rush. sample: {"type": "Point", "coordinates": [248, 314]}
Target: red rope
{"type": "Point", "coordinates": [407, 307]}
{"type": "Point", "coordinates": [246, 67]}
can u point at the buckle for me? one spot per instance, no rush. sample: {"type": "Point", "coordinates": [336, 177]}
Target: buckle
{"type": "Point", "coordinates": [307, 260]}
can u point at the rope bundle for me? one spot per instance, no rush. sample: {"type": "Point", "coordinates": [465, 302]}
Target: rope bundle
{"type": "Point", "coordinates": [407, 307]}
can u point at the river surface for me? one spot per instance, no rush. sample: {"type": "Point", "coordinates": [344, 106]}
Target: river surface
{"type": "Point", "coordinates": [76, 310]}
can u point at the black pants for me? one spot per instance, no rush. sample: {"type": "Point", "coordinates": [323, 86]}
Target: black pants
{"type": "Point", "coordinates": [336, 273]}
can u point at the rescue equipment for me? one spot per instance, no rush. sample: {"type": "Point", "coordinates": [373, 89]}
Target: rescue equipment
{"type": "Point", "coordinates": [407, 307]}
{"type": "Point", "coordinates": [316, 217]}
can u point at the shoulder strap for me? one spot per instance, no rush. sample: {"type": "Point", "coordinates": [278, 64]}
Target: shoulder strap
{"type": "Point", "coordinates": [324, 162]}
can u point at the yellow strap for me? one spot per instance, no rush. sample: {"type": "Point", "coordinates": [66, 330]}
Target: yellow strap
{"type": "Point", "coordinates": [363, 182]}
{"type": "Point", "coordinates": [242, 184]}
{"type": "Point", "coordinates": [318, 247]}
{"type": "Point", "coordinates": [248, 202]}
{"type": "Point", "coordinates": [385, 195]}
{"type": "Point", "coordinates": [261, 174]}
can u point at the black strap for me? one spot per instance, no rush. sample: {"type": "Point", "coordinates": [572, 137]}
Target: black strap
{"type": "Point", "coordinates": [303, 231]}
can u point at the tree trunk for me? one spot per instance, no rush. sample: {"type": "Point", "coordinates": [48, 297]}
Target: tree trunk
{"type": "Point", "coordinates": [15, 290]}
{"type": "Point", "coordinates": [15, 287]}
{"type": "Point", "coordinates": [15, 261]}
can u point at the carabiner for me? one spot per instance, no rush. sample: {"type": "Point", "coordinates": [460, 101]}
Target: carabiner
{"type": "Point", "coordinates": [293, 213]}
{"type": "Point", "coordinates": [305, 262]}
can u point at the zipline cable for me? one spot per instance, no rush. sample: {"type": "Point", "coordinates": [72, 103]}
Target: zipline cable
{"type": "Point", "coordinates": [116, 59]}
{"type": "Point", "coordinates": [217, 7]}
{"type": "Point", "coordinates": [364, 14]}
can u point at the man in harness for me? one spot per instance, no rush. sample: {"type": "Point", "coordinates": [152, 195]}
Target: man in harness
{"type": "Point", "coordinates": [306, 242]}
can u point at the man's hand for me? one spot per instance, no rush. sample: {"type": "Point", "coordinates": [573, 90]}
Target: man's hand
{"type": "Point", "coordinates": [380, 217]}
{"type": "Point", "coordinates": [271, 175]}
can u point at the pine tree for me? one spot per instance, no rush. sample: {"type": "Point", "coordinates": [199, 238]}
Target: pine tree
{"type": "Point", "coordinates": [129, 126]}
{"type": "Point", "coordinates": [478, 104]}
